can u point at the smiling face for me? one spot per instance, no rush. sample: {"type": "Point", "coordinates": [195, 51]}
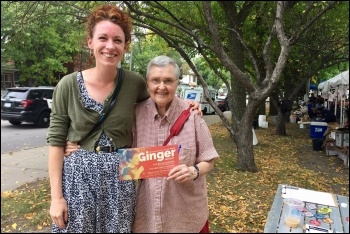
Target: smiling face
{"type": "Point", "coordinates": [107, 43]}
{"type": "Point", "coordinates": [162, 84]}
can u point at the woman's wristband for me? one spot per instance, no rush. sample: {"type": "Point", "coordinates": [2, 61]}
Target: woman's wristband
{"type": "Point", "coordinates": [197, 169]}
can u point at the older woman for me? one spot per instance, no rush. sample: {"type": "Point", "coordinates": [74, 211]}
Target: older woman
{"type": "Point", "coordinates": [179, 202]}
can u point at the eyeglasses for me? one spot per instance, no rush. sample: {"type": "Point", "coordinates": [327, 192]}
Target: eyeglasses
{"type": "Point", "coordinates": [166, 82]}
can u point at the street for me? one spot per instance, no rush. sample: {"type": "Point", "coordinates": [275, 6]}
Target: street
{"type": "Point", "coordinates": [21, 137]}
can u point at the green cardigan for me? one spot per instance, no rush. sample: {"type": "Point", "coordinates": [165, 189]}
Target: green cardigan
{"type": "Point", "coordinates": [70, 120]}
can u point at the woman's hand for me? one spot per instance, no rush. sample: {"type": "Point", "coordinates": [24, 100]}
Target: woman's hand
{"type": "Point", "coordinates": [59, 212]}
{"type": "Point", "coordinates": [70, 148]}
{"type": "Point", "coordinates": [195, 106]}
{"type": "Point", "coordinates": [182, 173]}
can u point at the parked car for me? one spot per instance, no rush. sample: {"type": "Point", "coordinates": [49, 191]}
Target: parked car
{"type": "Point", "coordinates": [222, 104]}
{"type": "Point", "coordinates": [27, 104]}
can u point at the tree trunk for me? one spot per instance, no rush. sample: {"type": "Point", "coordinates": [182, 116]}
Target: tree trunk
{"type": "Point", "coordinates": [242, 119]}
{"type": "Point", "coordinates": [262, 108]}
{"type": "Point", "coordinates": [281, 124]}
{"type": "Point", "coordinates": [273, 109]}
{"type": "Point", "coordinates": [244, 142]}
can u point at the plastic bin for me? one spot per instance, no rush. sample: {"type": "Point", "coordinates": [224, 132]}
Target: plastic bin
{"type": "Point", "coordinates": [342, 137]}
{"type": "Point", "coordinates": [264, 124]}
{"type": "Point", "coordinates": [293, 119]}
{"type": "Point", "coordinates": [317, 129]}
{"type": "Point", "coordinates": [317, 144]}
{"type": "Point", "coordinates": [262, 118]}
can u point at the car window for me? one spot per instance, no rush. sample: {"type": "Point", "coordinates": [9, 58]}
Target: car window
{"type": "Point", "coordinates": [47, 94]}
{"type": "Point", "coordinates": [18, 94]}
{"type": "Point", "coordinates": [35, 94]}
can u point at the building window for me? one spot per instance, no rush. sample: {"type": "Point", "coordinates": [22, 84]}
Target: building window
{"type": "Point", "coordinates": [193, 79]}
{"type": "Point", "coordinates": [7, 81]}
{"type": "Point", "coordinates": [16, 82]}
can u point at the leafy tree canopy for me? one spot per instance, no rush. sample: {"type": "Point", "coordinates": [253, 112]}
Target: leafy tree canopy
{"type": "Point", "coordinates": [39, 38]}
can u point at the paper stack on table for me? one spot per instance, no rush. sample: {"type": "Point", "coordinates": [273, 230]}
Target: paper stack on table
{"type": "Point", "coordinates": [307, 195]}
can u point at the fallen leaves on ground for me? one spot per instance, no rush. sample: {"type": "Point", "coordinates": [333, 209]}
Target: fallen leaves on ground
{"type": "Point", "coordinates": [239, 202]}
{"type": "Point", "coordinates": [26, 208]}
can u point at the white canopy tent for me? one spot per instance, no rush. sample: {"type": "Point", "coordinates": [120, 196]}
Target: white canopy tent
{"type": "Point", "coordinates": [336, 89]}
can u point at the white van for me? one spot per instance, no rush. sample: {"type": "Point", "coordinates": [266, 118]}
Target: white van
{"type": "Point", "coordinates": [197, 94]}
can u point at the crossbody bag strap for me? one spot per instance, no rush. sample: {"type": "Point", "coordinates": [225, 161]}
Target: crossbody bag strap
{"type": "Point", "coordinates": [113, 100]}
{"type": "Point", "coordinates": [175, 129]}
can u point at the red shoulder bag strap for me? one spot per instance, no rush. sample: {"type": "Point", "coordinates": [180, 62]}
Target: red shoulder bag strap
{"type": "Point", "coordinates": [175, 129]}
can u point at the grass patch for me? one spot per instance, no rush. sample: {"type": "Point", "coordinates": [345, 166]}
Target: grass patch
{"type": "Point", "coordinates": [238, 201]}
{"type": "Point", "coordinates": [26, 208]}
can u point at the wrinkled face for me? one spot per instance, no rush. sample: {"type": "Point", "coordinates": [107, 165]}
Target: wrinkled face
{"type": "Point", "coordinates": [108, 43]}
{"type": "Point", "coordinates": [162, 84]}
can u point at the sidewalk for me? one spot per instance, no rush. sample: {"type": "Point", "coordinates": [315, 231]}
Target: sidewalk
{"type": "Point", "coordinates": [20, 167]}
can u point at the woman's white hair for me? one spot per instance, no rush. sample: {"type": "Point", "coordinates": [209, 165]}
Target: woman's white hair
{"type": "Point", "coordinates": [163, 61]}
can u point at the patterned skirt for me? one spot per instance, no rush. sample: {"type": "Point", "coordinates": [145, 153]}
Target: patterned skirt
{"type": "Point", "coordinates": [97, 200]}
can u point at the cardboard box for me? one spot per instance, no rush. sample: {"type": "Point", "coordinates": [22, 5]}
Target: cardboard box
{"type": "Point", "coordinates": [344, 155]}
{"type": "Point", "coordinates": [331, 148]}
{"type": "Point", "coordinates": [304, 124]}
{"type": "Point", "coordinates": [332, 126]}
{"type": "Point", "coordinates": [331, 137]}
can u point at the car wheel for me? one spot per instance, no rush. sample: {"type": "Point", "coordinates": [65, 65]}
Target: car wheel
{"type": "Point", "coordinates": [204, 111]}
{"type": "Point", "coordinates": [44, 120]}
{"type": "Point", "coordinates": [15, 122]}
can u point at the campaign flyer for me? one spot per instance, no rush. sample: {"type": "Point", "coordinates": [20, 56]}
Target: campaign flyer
{"type": "Point", "coordinates": [147, 162]}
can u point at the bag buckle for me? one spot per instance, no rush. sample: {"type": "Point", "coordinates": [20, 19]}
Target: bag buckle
{"type": "Point", "coordinates": [98, 148]}
{"type": "Point", "coordinates": [106, 149]}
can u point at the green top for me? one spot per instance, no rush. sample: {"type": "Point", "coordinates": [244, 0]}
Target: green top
{"type": "Point", "coordinates": [70, 120]}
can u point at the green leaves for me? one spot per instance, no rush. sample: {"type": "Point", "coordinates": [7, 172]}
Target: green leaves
{"type": "Point", "coordinates": [45, 38]}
